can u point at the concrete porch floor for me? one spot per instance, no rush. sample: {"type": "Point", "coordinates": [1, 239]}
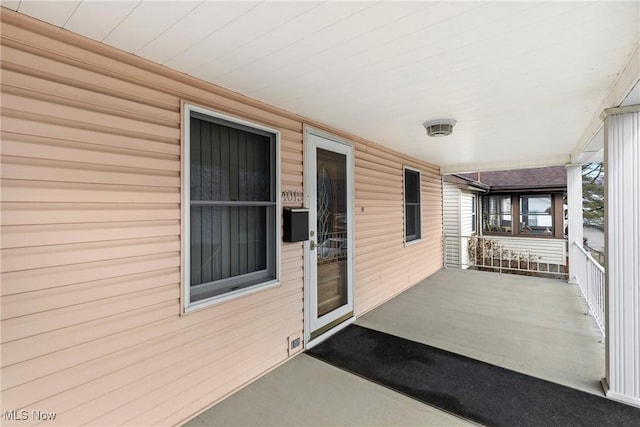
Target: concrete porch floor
{"type": "Point", "coordinates": [530, 325]}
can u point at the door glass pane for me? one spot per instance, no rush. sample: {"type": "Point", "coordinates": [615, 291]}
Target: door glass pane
{"type": "Point", "coordinates": [332, 230]}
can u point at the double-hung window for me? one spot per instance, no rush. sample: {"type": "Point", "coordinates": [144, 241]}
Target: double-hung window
{"type": "Point", "coordinates": [230, 206]}
{"type": "Point", "coordinates": [496, 211]}
{"type": "Point", "coordinates": [412, 217]}
{"type": "Point", "coordinates": [474, 213]}
{"type": "Point", "coordinates": [536, 214]}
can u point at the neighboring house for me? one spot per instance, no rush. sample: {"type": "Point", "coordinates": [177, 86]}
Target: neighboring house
{"type": "Point", "coordinates": [521, 210]}
{"type": "Point", "coordinates": [460, 203]}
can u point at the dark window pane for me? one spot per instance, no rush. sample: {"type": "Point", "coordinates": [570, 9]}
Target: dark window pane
{"type": "Point", "coordinates": [412, 205]}
{"type": "Point", "coordinates": [196, 160]}
{"type": "Point", "coordinates": [413, 221]}
{"type": "Point", "coordinates": [227, 241]}
{"type": "Point", "coordinates": [412, 185]}
{"type": "Point", "coordinates": [225, 167]}
{"type": "Point", "coordinates": [233, 206]}
{"type": "Point", "coordinates": [229, 164]}
{"type": "Point", "coordinates": [196, 244]}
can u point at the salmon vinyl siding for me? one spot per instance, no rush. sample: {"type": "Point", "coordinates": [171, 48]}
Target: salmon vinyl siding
{"type": "Point", "coordinates": [90, 113]}
{"type": "Point", "coordinates": [26, 303]}
{"type": "Point", "coordinates": [171, 352]}
{"type": "Point", "coordinates": [20, 168]}
{"type": "Point", "coordinates": [58, 276]}
{"type": "Point", "coordinates": [61, 213]}
{"type": "Point", "coordinates": [91, 237]}
{"type": "Point", "coordinates": [87, 156]}
{"type": "Point", "coordinates": [34, 129]}
{"type": "Point", "coordinates": [56, 234]}
{"type": "Point", "coordinates": [384, 266]}
{"type": "Point", "coordinates": [73, 95]}
{"type": "Point", "coordinates": [91, 243]}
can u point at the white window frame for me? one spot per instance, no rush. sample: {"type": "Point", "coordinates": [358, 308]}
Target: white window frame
{"type": "Point", "coordinates": [187, 305]}
{"type": "Point", "coordinates": [474, 213]}
{"type": "Point", "coordinates": [404, 205]}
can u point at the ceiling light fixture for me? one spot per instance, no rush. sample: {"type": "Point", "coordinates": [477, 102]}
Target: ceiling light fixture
{"type": "Point", "coordinates": [439, 127]}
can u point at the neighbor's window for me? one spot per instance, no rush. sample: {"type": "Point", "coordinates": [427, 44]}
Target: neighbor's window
{"type": "Point", "coordinates": [230, 206]}
{"type": "Point", "coordinates": [412, 220]}
{"type": "Point", "coordinates": [536, 214]}
{"type": "Point", "coordinates": [496, 212]}
{"type": "Point", "coordinates": [474, 214]}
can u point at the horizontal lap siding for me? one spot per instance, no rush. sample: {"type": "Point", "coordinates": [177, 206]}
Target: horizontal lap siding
{"type": "Point", "coordinates": [91, 325]}
{"type": "Point", "coordinates": [552, 251]}
{"type": "Point", "coordinates": [451, 222]}
{"type": "Point", "coordinates": [384, 266]}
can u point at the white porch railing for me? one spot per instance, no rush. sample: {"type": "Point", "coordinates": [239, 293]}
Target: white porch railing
{"type": "Point", "coordinates": [596, 254]}
{"type": "Point", "coordinates": [591, 279]}
{"type": "Point", "coordinates": [509, 254]}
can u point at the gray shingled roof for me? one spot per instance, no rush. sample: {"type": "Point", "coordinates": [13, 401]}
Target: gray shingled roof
{"type": "Point", "coordinates": [552, 177]}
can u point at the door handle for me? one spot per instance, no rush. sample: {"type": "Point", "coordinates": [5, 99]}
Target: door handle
{"type": "Point", "coordinates": [312, 245]}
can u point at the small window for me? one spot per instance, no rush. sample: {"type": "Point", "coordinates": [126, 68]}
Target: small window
{"type": "Point", "coordinates": [496, 212]}
{"type": "Point", "coordinates": [474, 214]}
{"type": "Point", "coordinates": [412, 217]}
{"type": "Point", "coordinates": [536, 214]}
{"type": "Point", "coordinates": [230, 206]}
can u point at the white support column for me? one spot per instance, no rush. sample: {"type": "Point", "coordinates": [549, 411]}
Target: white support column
{"type": "Point", "coordinates": [574, 220]}
{"type": "Point", "coordinates": [622, 230]}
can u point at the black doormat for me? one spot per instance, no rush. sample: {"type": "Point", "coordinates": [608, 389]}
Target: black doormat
{"type": "Point", "coordinates": [471, 389]}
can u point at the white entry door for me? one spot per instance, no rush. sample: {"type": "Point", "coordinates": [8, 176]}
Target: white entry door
{"type": "Point", "coordinates": [329, 251]}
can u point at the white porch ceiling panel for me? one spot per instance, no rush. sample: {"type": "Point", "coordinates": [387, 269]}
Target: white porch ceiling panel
{"type": "Point", "coordinates": [522, 79]}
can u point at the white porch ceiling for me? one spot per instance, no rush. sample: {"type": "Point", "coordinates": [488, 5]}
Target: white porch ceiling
{"type": "Point", "coordinates": [523, 79]}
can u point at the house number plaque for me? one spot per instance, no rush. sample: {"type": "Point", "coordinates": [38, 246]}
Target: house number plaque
{"type": "Point", "coordinates": [292, 196]}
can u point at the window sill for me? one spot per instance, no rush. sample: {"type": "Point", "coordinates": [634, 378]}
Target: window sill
{"type": "Point", "coordinates": [412, 242]}
{"type": "Point", "coordinates": [230, 296]}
